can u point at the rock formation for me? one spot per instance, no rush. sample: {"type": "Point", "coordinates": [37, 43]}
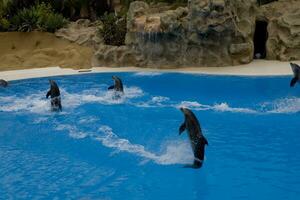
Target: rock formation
{"type": "Point", "coordinates": [82, 32]}
{"type": "Point", "coordinates": [205, 33]}
{"type": "Point", "coordinates": [284, 30]}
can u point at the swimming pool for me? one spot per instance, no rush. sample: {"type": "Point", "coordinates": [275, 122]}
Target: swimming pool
{"type": "Point", "coordinates": [100, 147]}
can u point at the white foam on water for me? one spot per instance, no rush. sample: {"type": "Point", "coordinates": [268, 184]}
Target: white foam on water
{"type": "Point", "coordinates": [86, 120]}
{"type": "Point", "coordinates": [101, 96]}
{"type": "Point", "coordinates": [175, 152]}
{"type": "Point", "coordinates": [284, 106]}
{"type": "Point", "coordinates": [72, 130]}
{"type": "Point", "coordinates": [159, 99]}
{"type": "Point", "coordinates": [147, 74]}
{"type": "Point", "coordinates": [156, 101]}
{"type": "Point", "coordinates": [222, 107]}
{"type": "Point", "coordinates": [194, 105]}
{"type": "Point", "coordinates": [40, 120]}
{"type": "Point", "coordinates": [172, 152]}
{"type": "Point", "coordinates": [36, 103]}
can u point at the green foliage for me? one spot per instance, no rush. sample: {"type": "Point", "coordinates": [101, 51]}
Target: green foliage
{"type": "Point", "coordinates": [53, 22]}
{"type": "Point", "coordinates": [4, 24]}
{"type": "Point", "coordinates": [28, 15]}
{"type": "Point", "coordinates": [114, 29]}
{"type": "Point", "coordinates": [39, 17]}
{"type": "Point", "coordinates": [4, 8]}
{"type": "Point", "coordinates": [25, 20]}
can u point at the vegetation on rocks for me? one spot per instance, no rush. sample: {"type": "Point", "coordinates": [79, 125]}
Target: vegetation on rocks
{"type": "Point", "coordinates": [114, 29]}
{"type": "Point", "coordinates": [50, 15]}
{"type": "Point", "coordinates": [39, 17]}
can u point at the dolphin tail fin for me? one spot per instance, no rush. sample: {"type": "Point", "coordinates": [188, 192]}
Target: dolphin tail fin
{"type": "Point", "coordinates": [196, 165]}
{"type": "Point", "coordinates": [111, 87]}
{"type": "Point", "coordinates": [293, 81]}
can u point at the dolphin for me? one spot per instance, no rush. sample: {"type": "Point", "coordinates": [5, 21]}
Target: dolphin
{"type": "Point", "coordinates": [118, 85]}
{"type": "Point", "coordinates": [197, 140]}
{"type": "Point", "coordinates": [296, 71]}
{"type": "Point", "coordinates": [3, 83]}
{"type": "Point", "coordinates": [54, 93]}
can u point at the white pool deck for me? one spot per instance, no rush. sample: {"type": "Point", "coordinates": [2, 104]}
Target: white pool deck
{"type": "Point", "coordinates": [255, 68]}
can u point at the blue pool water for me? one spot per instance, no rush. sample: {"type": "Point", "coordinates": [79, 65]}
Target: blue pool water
{"type": "Point", "coordinates": [103, 148]}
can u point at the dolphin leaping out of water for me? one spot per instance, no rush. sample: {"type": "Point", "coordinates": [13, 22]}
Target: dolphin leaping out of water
{"type": "Point", "coordinates": [197, 140]}
{"type": "Point", "coordinates": [3, 83]}
{"type": "Point", "coordinates": [118, 85]}
{"type": "Point", "coordinates": [54, 93]}
{"type": "Point", "coordinates": [296, 71]}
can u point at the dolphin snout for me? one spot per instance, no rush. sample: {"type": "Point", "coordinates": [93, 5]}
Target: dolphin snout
{"type": "Point", "coordinates": [183, 110]}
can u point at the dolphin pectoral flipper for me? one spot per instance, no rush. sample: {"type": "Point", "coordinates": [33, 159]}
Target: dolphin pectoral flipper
{"type": "Point", "coordinates": [182, 128]}
{"type": "Point", "coordinates": [48, 94]}
{"type": "Point", "coordinates": [205, 141]}
{"type": "Point", "coordinates": [293, 81]}
{"type": "Point", "coordinates": [111, 87]}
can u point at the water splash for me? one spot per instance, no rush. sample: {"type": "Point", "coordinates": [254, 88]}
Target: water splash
{"type": "Point", "coordinates": [175, 152]}
{"type": "Point", "coordinates": [222, 107]}
{"type": "Point", "coordinates": [156, 101]}
{"type": "Point", "coordinates": [283, 106]}
{"type": "Point", "coordinates": [73, 131]}
{"type": "Point", "coordinates": [37, 103]}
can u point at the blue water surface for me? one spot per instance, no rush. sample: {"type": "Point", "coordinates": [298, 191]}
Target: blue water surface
{"type": "Point", "coordinates": [100, 147]}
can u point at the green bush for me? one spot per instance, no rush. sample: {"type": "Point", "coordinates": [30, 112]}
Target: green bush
{"type": "Point", "coordinates": [39, 17]}
{"type": "Point", "coordinates": [25, 20]}
{"type": "Point", "coordinates": [4, 7]}
{"type": "Point", "coordinates": [53, 22]}
{"type": "Point", "coordinates": [4, 24]}
{"type": "Point", "coordinates": [114, 29]}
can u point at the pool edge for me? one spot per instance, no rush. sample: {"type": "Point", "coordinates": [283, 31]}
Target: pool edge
{"type": "Point", "coordinates": [255, 68]}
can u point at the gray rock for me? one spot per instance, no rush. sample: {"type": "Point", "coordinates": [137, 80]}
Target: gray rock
{"type": "Point", "coordinates": [82, 32]}
{"type": "Point", "coordinates": [205, 33]}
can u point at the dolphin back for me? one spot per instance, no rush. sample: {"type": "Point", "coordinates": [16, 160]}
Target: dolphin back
{"type": "Point", "coordinates": [54, 90]}
{"type": "Point", "coordinates": [119, 85]}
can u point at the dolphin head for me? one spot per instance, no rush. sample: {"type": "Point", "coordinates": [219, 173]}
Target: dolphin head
{"type": "Point", "coordinates": [53, 84]}
{"type": "Point", "coordinates": [185, 111]}
{"type": "Point", "coordinates": [114, 77]}
{"type": "Point", "coordinates": [293, 64]}
{"type": "Point", "coordinates": [3, 83]}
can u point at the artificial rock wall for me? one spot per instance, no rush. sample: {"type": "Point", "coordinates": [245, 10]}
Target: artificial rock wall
{"type": "Point", "coordinates": [205, 33]}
